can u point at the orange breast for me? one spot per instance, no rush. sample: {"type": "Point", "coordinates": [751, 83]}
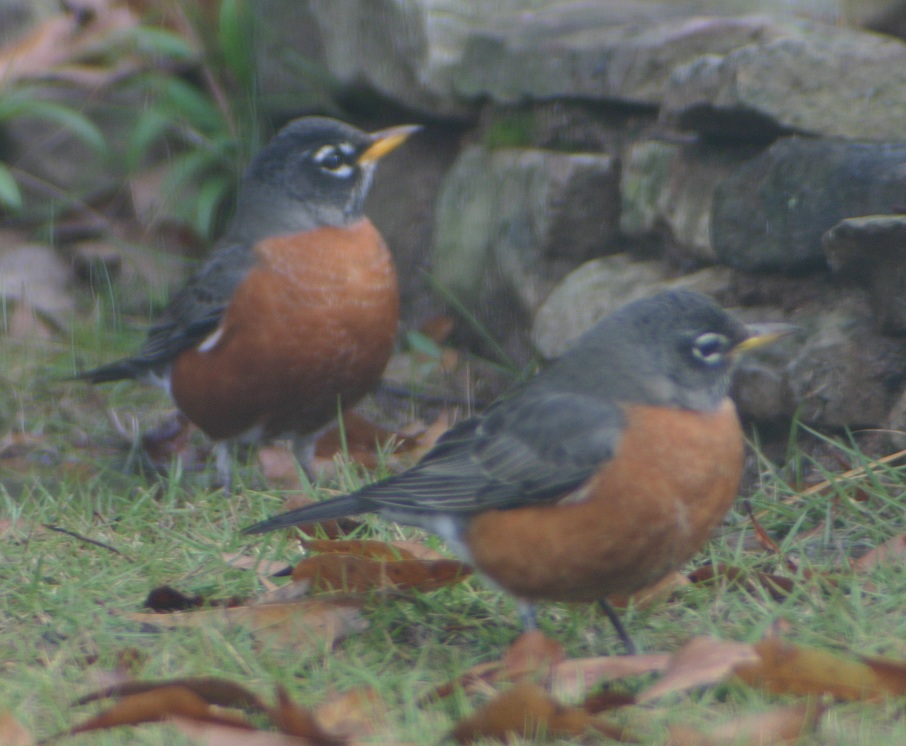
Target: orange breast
{"type": "Point", "coordinates": [314, 322]}
{"type": "Point", "coordinates": [645, 513]}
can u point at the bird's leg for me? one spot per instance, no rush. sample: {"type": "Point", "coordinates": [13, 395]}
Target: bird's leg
{"type": "Point", "coordinates": [304, 451]}
{"type": "Point", "coordinates": [617, 625]}
{"type": "Point", "coordinates": [527, 615]}
{"type": "Point", "coordinates": [223, 462]}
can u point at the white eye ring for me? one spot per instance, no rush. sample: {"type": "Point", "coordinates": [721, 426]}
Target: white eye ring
{"type": "Point", "coordinates": [710, 347]}
{"type": "Point", "coordinates": [332, 160]}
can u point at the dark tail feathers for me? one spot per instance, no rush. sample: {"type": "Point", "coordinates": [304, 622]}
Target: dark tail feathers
{"type": "Point", "coordinates": [337, 507]}
{"type": "Point", "coordinates": [115, 371]}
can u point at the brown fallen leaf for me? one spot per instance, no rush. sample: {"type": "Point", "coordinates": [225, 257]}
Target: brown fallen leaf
{"type": "Point", "coordinates": [784, 668]}
{"type": "Point", "coordinates": [527, 710]}
{"type": "Point", "coordinates": [12, 732]}
{"type": "Point", "coordinates": [660, 591]}
{"type": "Point", "coordinates": [438, 328]}
{"type": "Point", "coordinates": [170, 440]}
{"type": "Point", "coordinates": [368, 548]}
{"type": "Point", "coordinates": [891, 550]}
{"type": "Point", "coordinates": [356, 713]}
{"type": "Point", "coordinates": [213, 690]}
{"type": "Point", "coordinates": [353, 573]}
{"type": "Point", "coordinates": [701, 661]}
{"type": "Point", "coordinates": [279, 467]}
{"type": "Point", "coordinates": [300, 721]}
{"type": "Point", "coordinates": [363, 440]}
{"type": "Point", "coordinates": [262, 567]}
{"type": "Point", "coordinates": [157, 705]}
{"type": "Point", "coordinates": [777, 586]}
{"type": "Point", "coordinates": [778, 726]}
{"type": "Point", "coordinates": [220, 734]}
{"type": "Point", "coordinates": [308, 624]}
{"type": "Point", "coordinates": [574, 677]}
{"type": "Point", "coordinates": [532, 656]}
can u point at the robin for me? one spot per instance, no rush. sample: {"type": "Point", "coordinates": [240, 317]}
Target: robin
{"type": "Point", "coordinates": [602, 474]}
{"type": "Point", "coordinates": [295, 311]}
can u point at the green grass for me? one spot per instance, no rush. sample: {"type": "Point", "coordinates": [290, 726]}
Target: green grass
{"type": "Point", "coordinates": [63, 600]}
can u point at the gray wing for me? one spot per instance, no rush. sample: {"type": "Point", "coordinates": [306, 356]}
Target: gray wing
{"type": "Point", "coordinates": [191, 315]}
{"type": "Point", "coordinates": [533, 449]}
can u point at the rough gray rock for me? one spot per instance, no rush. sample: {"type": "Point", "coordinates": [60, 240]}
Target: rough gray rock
{"type": "Point", "coordinates": [670, 188]}
{"type": "Point", "coordinates": [405, 50]}
{"type": "Point", "coordinates": [401, 204]}
{"type": "Point", "coordinates": [772, 212]}
{"type": "Point", "coordinates": [602, 51]}
{"type": "Point", "coordinates": [603, 285]}
{"type": "Point", "coordinates": [872, 249]}
{"type": "Point", "coordinates": [844, 373]}
{"type": "Point", "coordinates": [511, 222]}
{"type": "Point", "coordinates": [822, 80]}
{"type": "Point", "coordinates": [441, 56]}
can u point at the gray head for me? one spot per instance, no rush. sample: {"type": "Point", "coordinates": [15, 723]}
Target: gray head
{"type": "Point", "coordinates": [315, 172]}
{"type": "Point", "coordinates": [675, 348]}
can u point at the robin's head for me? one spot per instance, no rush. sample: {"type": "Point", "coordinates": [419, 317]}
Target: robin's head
{"type": "Point", "coordinates": [677, 347]}
{"type": "Point", "coordinates": [314, 172]}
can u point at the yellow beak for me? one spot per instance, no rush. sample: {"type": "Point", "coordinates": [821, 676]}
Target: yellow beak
{"type": "Point", "coordinates": [762, 334]}
{"type": "Point", "coordinates": [386, 141]}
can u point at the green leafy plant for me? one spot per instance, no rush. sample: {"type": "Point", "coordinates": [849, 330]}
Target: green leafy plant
{"type": "Point", "coordinates": [30, 101]}
{"type": "Point", "coordinates": [207, 118]}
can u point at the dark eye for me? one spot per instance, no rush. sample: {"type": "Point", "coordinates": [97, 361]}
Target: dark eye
{"type": "Point", "coordinates": [710, 347]}
{"type": "Point", "coordinates": [334, 160]}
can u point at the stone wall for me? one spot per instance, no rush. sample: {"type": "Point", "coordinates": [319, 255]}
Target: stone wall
{"type": "Point", "coordinates": [580, 153]}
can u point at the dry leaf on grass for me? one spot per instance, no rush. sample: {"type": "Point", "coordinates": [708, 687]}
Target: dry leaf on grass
{"type": "Point", "coordinates": [527, 710]}
{"type": "Point", "coordinates": [573, 678]}
{"type": "Point", "coordinates": [219, 734]}
{"type": "Point", "coordinates": [777, 586]}
{"type": "Point", "coordinates": [172, 439]}
{"type": "Point", "coordinates": [213, 690]}
{"type": "Point", "coordinates": [356, 713]}
{"type": "Point", "coordinates": [784, 668]}
{"type": "Point", "coordinates": [363, 440]}
{"type": "Point", "coordinates": [309, 624]}
{"type": "Point", "coordinates": [660, 591]}
{"type": "Point", "coordinates": [279, 467]}
{"type": "Point", "coordinates": [782, 725]}
{"type": "Point", "coordinates": [12, 732]}
{"type": "Point", "coordinates": [262, 567]}
{"type": "Point", "coordinates": [891, 550]}
{"type": "Point", "coordinates": [155, 706]}
{"type": "Point", "coordinates": [357, 573]}
{"type": "Point", "coordinates": [531, 657]}
{"type": "Point", "coordinates": [300, 721]}
{"type": "Point", "coordinates": [701, 661]}
{"type": "Point", "coordinates": [189, 703]}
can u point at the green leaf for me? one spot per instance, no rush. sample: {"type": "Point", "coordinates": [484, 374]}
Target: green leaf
{"type": "Point", "coordinates": [210, 198]}
{"type": "Point", "coordinates": [419, 342]}
{"type": "Point", "coordinates": [151, 125]}
{"type": "Point", "coordinates": [185, 101]}
{"type": "Point", "coordinates": [51, 111]}
{"type": "Point", "coordinates": [10, 196]}
{"type": "Point", "coordinates": [235, 24]}
{"type": "Point", "coordinates": [153, 40]}
{"type": "Point", "coordinates": [185, 167]}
